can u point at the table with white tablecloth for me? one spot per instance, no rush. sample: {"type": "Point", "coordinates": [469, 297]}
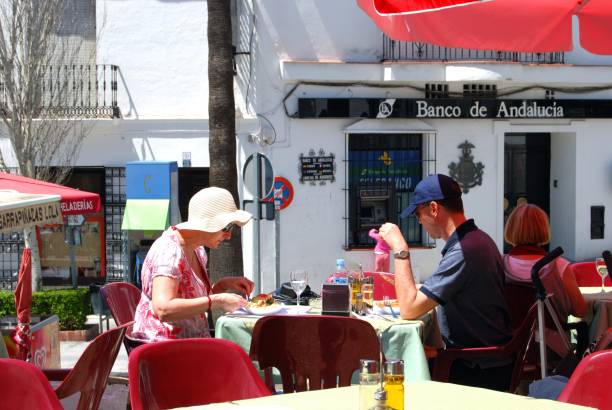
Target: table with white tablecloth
{"type": "Point", "coordinates": [418, 396]}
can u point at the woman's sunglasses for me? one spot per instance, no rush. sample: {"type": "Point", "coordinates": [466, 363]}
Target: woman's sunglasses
{"type": "Point", "coordinates": [228, 228]}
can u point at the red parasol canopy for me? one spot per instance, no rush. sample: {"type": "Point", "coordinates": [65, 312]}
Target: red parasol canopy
{"type": "Point", "coordinates": [73, 201]}
{"type": "Point", "coordinates": [23, 300]}
{"type": "Point", "coordinates": [511, 25]}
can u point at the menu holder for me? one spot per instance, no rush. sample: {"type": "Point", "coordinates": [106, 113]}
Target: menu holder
{"type": "Point", "coordinates": [335, 300]}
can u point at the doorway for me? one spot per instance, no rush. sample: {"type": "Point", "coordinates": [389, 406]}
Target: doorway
{"type": "Point", "coordinates": [526, 171]}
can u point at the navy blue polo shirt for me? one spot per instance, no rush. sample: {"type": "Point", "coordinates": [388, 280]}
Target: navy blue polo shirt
{"type": "Point", "coordinates": [469, 287]}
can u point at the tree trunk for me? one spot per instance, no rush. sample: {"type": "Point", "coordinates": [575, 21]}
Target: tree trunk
{"type": "Point", "coordinates": [227, 259]}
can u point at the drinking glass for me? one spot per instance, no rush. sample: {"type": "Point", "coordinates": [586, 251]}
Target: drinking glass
{"type": "Point", "coordinates": [367, 290]}
{"type": "Point", "coordinates": [299, 280]}
{"type": "Point", "coordinates": [602, 269]}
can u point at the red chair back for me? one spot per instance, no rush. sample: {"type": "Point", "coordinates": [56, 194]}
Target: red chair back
{"type": "Point", "coordinates": [317, 349]}
{"type": "Point", "coordinates": [122, 298]}
{"type": "Point", "coordinates": [188, 372]}
{"type": "Point", "coordinates": [586, 274]}
{"type": "Point", "coordinates": [384, 284]}
{"type": "Point", "coordinates": [24, 386]}
{"type": "Point", "coordinates": [89, 375]}
{"type": "Point", "coordinates": [516, 348]}
{"type": "Point", "coordinates": [590, 382]}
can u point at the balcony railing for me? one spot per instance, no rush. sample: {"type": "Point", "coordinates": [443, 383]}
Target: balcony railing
{"type": "Point", "coordinates": [76, 91]}
{"type": "Point", "coordinates": [410, 51]}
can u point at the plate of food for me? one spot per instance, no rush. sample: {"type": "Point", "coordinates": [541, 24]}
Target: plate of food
{"type": "Point", "coordinates": [391, 308]}
{"type": "Point", "coordinates": [263, 304]}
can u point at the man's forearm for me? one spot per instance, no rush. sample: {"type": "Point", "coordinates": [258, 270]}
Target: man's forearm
{"type": "Point", "coordinates": [405, 287]}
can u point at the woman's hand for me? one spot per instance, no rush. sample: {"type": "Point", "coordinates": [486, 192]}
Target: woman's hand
{"type": "Point", "coordinates": [237, 284]}
{"type": "Point", "coordinates": [393, 236]}
{"type": "Point", "coordinates": [228, 302]}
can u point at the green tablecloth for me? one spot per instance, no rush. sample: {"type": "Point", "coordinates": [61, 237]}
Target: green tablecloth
{"type": "Point", "coordinates": [401, 339]}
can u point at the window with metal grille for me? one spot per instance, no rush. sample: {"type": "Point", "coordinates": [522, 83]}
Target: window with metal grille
{"type": "Point", "coordinates": [436, 90]}
{"type": "Point", "coordinates": [382, 171]}
{"type": "Point", "coordinates": [11, 248]}
{"type": "Point", "coordinates": [480, 90]}
{"type": "Point", "coordinates": [117, 264]}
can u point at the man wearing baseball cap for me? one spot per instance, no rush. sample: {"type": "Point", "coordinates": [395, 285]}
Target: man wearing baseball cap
{"type": "Point", "coordinates": [467, 286]}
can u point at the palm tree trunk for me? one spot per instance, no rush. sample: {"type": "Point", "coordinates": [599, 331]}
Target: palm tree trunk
{"type": "Point", "coordinates": [227, 259]}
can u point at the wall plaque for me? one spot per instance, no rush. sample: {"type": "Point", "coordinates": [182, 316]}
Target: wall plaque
{"type": "Point", "coordinates": [319, 167]}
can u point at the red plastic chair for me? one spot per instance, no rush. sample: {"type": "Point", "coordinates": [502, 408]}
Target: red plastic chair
{"type": "Point", "coordinates": [590, 382]}
{"type": "Point", "coordinates": [586, 274]}
{"type": "Point", "coordinates": [122, 298]}
{"type": "Point", "coordinates": [188, 372]}
{"type": "Point", "coordinates": [89, 375]}
{"type": "Point", "coordinates": [516, 348]}
{"type": "Point", "coordinates": [317, 349]}
{"type": "Point", "coordinates": [24, 386]}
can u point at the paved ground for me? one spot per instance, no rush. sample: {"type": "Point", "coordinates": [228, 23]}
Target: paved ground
{"type": "Point", "coordinates": [116, 396]}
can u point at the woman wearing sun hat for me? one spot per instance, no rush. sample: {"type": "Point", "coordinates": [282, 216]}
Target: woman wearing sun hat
{"type": "Point", "coordinates": [176, 291]}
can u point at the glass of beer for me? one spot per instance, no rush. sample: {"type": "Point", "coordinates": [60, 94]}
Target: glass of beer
{"type": "Point", "coordinates": [367, 290]}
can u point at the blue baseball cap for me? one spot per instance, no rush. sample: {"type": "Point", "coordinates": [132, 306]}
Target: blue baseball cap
{"type": "Point", "coordinates": [433, 188]}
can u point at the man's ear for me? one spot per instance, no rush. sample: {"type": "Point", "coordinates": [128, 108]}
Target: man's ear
{"type": "Point", "coordinates": [434, 208]}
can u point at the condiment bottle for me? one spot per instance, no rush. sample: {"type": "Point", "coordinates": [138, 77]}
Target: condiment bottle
{"type": "Point", "coordinates": [394, 384]}
{"type": "Point", "coordinates": [369, 382]}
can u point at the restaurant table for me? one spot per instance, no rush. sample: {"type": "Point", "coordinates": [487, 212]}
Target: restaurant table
{"type": "Point", "coordinates": [401, 339]}
{"type": "Point", "coordinates": [599, 312]}
{"type": "Point", "coordinates": [418, 396]}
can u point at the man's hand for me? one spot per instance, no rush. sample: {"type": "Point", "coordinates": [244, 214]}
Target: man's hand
{"type": "Point", "coordinates": [393, 236]}
{"type": "Point", "coordinates": [237, 284]}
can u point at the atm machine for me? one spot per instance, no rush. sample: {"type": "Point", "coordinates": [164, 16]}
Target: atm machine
{"type": "Point", "coordinates": [374, 207]}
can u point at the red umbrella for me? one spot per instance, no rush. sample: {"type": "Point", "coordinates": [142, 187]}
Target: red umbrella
{"type": "Point", "coordinates": [23, 300]}
{"type": "Point", "coordinates": [73, 201]}
{"type": "Point", "coordinates": [511, 25]}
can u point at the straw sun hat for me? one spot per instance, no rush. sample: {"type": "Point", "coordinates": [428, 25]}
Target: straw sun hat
{"type": "Point", "coordinates": [211, 210]}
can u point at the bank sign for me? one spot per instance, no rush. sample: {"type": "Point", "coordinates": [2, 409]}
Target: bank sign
{"type": "Point", "coordinates": [452, 108]}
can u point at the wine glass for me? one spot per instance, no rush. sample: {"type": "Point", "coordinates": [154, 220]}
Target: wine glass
{"type": "Point", "coordinates": [602, 269]}
{"type": "Point", "coordinates": [299, 279]}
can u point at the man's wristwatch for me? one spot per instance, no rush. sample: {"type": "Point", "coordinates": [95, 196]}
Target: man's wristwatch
{"type": "Point", "coordinates": [401, 254]}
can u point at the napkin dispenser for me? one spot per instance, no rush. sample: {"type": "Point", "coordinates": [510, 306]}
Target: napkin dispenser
{"type": "Point", "coordinates": [335, 300]}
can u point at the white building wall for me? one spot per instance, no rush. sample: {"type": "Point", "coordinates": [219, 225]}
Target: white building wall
{"type": "Point", "coordinates": [162, 52]}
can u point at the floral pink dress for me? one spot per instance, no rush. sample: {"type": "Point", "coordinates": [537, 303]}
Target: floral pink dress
{"type": "Point", "coordinates": [166, 258]}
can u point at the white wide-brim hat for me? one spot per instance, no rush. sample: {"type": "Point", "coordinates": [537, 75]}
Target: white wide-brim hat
{"type": "Point", "coordinates": [212, 209]}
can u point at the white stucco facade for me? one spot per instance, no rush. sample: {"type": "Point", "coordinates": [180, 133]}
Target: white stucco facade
{"type": "Point", "coordinates": [331, 49]}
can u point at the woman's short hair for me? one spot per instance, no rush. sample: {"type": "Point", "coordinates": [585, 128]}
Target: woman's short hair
{"type": "Point", "coordinates": [527, 225]}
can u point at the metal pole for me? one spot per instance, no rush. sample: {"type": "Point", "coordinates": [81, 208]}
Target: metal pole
{"type": "Point", "coordinates": [541, 330]}
{"type": "Point", "coordinates": [277, 282]}
{"type": "Point", "coordinates": [73, 266]}
{"type": "Point", "coordinates": [256, 261]}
